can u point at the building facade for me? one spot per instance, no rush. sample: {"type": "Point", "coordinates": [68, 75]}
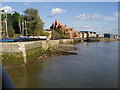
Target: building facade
{"type": "Point", "coordinates": [65, 29]}
{"type": "Point", "coordinates": [88, 34]}
{"type": "Point", "coordinates": [108, 35]}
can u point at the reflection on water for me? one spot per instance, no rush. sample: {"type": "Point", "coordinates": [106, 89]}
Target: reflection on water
{"type": "Point", "coordinates": [94, 66]}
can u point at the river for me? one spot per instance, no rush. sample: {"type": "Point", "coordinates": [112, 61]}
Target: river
{"type": "Point", "coordinates": [95, 66]}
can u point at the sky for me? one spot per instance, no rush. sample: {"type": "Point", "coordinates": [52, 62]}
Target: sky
{"type": "Point", "coordinates": [100, 17]}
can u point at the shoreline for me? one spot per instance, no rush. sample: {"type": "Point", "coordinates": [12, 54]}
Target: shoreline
{"type": "Point", "coordinates": [63, 49]}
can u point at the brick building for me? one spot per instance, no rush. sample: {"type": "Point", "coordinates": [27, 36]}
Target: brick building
{"type": "Point", "coordinates": [65, 29]}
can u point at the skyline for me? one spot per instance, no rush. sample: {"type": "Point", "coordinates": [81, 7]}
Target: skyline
{"type": "Point", "coordinates": [91, 16]}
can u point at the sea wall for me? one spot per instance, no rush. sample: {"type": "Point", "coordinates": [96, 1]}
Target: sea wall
{"type": "Point", "coordinates": [18, 53]}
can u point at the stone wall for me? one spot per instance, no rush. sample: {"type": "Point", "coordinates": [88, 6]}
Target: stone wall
{"type": "Point", "coordinates": [26, 51]}
{"type": "Point", "coordinates": [66, 41]}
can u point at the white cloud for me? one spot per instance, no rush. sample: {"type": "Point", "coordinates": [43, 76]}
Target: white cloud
{"type": "Point", "coordinates": [7, 9]}
{"type": "Point", "coordinates": [48, 6]}
{"type": "Point", "coordinates": [85, 16]}
{"type": "Point", "coordinates": [110, 18]}
{"type": "Point", "coordinates": [26, 3]}
{"type": "Point", "coordinates": [94, 16]}
{"type": "Point", "coordinates": [56, 11]}
{"type": "Point", "coordinates": [88, 28]}
{"type": "Point", "coordinates": [117, 14]}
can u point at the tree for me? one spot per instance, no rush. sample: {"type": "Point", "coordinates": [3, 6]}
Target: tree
{"type": "Point", "coordinates": [42, 33]}
{"type": "Point", "coordinates": [13, 24]}
{"type": "Point", "coordinates": [55, 34]}
{"type": "Point", "coordinates": [34, 22]}
{"type": "Point", "coordinates": [11, 32]}
{"type": "Point", "coordinates": [12, 21]}
{"type": "Point", "coordinates": [58, 33]}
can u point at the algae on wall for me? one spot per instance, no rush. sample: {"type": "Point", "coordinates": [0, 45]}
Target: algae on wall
{"type": "Point", "coordinates": [19, 53]}
{"type": "Point", "coordinates": [33, 53]}
{"type": "Point", "coordinates": [16, 58]}
{"type": "Point", "coordinates": [12, 59]}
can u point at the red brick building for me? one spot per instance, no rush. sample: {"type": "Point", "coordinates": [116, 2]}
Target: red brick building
{"type": "Point", "coordinates": [58, 25]}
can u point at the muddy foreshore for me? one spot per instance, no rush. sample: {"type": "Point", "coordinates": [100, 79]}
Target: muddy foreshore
{"type": "Point", "coordinates": [62, 49]}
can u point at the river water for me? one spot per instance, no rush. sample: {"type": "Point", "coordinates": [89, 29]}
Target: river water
{"type": "Point", "coordinates": [95, 66]}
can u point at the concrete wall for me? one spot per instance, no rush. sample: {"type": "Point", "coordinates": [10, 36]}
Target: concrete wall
{"type": "Point", "coordinates": [32, 47]}
{"type": "Point", "coordinates": [20, 46]}
{"type": "Point", "coordinates": [66, 41]}
{"type": "Point", "coordinates": [24, 48]}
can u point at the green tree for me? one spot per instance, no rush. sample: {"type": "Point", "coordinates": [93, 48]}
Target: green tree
{"type": "Point", "coordinates": [11, 32]}
{"type": "Point", "coordinates": [34, 22]}
{"type": "Point", "coordinates": [55, 34]}
{"type": "Point", "coordinates": [13, 24]}
{"type": "Point", "coordinates": [13, 21]}
{"type": "Point", "coordinates": [60, 34]}
{"type": "Point", "coordinates": [42, 33]}
{"type": "Point", "coordinates": [9, 18]}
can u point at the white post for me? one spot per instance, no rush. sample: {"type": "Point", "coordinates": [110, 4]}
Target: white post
{"type": "Point", "coordinates": [0, 27]}
{"type": "Point", "coordinates": [6, 25]}
{"type": "Point", "coordinates": [23, 50]}
{"type": "Point", "coordinates": [26, 28]}
{"type": "Point", "coordinates": [20, 27]}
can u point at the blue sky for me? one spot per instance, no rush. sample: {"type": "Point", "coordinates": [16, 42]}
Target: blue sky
{"type": "Point", "coordinates": [92, 16]}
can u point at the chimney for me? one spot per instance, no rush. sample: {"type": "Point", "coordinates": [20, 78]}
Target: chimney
{"type": "Point", "coordinates": [56, 20]}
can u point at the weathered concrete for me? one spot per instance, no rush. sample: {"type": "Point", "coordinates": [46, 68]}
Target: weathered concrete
{"type": "Point", "coordinates": [29, 49]}
{"type": "Point", "coordinates": [66, 41]}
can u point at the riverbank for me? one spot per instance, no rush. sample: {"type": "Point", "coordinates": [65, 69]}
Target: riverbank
{"type": "Point", "coordinates": [100, 39]}
{"type": "Point", "coordinates": [62, 49]}
{"type": "Point", "coordinates": [22, 53]}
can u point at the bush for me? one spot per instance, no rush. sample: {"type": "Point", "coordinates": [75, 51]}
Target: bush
{"type": "Point", "coordinates": [57, 34]}
{"type": "Point", "coordinates": [42, 33]}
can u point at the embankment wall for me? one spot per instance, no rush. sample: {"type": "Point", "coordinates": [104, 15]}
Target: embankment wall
{"type": "Point", "coordinates": [17, 53]}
